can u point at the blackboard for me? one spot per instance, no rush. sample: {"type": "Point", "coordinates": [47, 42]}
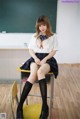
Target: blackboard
{"type": "Point", "coordinates": [19, 16]}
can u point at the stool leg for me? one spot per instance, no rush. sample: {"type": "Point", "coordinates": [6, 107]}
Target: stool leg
{"type": "Point", "coordinates": [51, 97]}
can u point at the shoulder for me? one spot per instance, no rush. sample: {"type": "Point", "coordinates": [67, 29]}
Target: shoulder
{"type": "Point", "coordinates": [32, 41]}
{"type": "Point", "coordinates": [33, 38]}
{"type": "Point", "coordinates": [33, 35]}
{"type": "Point", "coordinates": [53, 37]}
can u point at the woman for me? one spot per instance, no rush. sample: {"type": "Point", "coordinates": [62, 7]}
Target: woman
{"type": "Point", "coordinates": [42, 48]}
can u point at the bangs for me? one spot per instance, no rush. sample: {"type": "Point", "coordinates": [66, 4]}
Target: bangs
{"type": "Point", "coordinates": [41, 23]}
{"type": "Point", "coordinates": [42, 20]}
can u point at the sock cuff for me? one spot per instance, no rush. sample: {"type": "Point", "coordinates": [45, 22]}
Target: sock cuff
{"type": "Point", "coordinates": [29, 83]}
{"type": "Point", "coordinates": [42, 80]}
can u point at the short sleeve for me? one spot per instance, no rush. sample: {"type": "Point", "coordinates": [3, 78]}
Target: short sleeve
{"type": "Point", "coordinates": [31, 43]}
{"type": "Point", "coordinates": [55, 43]}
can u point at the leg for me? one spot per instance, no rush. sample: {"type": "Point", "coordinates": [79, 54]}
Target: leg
{"type": "Point", "coordinates": [26, 89]}
{"type": "Point", "coordinates": [43, 70]}
{"type": "Point", "coordinates": [43, 88]}
{"type": "Point", "coordinates": [33, 75]}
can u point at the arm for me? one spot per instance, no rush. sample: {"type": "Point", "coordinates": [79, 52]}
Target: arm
{"type": "Point", "coordinates": [31, 52]}
{"type": "Point", "coordinates": [37, 60]}
{"type": "Point", "coordinates": [50, 55]}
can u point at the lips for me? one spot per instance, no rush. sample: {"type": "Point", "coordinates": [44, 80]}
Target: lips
{"type": "Point", "coordinates": [43, 30]}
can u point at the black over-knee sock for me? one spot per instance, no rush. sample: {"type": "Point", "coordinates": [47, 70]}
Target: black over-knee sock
{"type": "Point", "coordinates": [26, 90]}
{"type": "Point", "coordinates": [43, 90]}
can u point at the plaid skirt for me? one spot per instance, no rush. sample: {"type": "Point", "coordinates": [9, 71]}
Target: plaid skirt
{"type": "Point", "coordinates": [52, 62]}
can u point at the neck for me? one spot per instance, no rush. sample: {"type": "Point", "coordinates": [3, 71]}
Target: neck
{"type": "Point", "coordinates": [43, 33]}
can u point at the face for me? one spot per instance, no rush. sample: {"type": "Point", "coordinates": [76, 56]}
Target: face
{"type": "Point", "coordinates": [43, 29]}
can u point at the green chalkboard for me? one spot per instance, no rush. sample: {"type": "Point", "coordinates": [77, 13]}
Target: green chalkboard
{"type": "Point", "coordinates": [20, 15]}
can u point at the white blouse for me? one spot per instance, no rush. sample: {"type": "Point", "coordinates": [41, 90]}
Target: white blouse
{"type": "Point", "coordinates": [49, 44]}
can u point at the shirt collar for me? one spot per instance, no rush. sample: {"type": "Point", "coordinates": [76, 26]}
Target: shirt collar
{"type": "Point", "coordinates": [43, 37]}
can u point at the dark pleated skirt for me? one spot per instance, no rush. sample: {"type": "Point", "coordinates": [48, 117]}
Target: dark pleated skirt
{"type": "Point", "coordinates": [52, 62]}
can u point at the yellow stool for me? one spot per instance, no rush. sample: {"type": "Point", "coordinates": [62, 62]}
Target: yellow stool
{"type": "Point", "coordinates": [32, 111]}
{"type": "Point", "coordinates": [50, 76]}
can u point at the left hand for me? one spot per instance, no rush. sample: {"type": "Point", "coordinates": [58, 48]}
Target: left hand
{"type": "Point", "coordinates": [43, 61]}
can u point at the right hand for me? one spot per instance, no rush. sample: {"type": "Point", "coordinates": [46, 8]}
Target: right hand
{"type": "Point", "coordinates": [37, 60]}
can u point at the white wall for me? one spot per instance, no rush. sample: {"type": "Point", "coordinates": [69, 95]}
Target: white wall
{"type": "Point", "coordinates": [10, 60]}
{"type": "Point", "coordinates": [68, 30]}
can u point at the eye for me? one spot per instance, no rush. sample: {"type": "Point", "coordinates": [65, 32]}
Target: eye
{"type": "Point", "coordinates": [44, 24]}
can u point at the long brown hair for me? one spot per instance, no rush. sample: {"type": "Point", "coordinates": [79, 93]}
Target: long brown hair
{"type": "Point", "coordinates": [45, 21]}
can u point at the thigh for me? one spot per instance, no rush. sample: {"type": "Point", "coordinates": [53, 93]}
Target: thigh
{"type": "Point", "coordinates": [33, 73]}
{"type": "Point", "coordinates": [33, 68]}
{"type": "Point", "coordinates": [45, 68]}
